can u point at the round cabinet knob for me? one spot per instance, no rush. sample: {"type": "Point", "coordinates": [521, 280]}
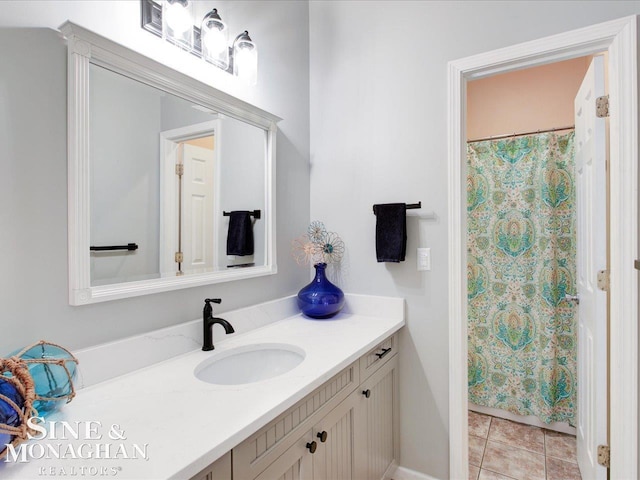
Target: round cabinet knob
{"type": "Point", "coordinates": [366, 393]}
{"type": "Point", "coordinates": [322, 436]}
{"type": "Point", "coordinates": [312, 446]}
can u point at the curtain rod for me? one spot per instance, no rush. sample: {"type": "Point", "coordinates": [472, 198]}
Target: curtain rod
{"type": "Point", "coordinates": [509, 135]}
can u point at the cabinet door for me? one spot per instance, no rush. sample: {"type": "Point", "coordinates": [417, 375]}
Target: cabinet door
{"type": "Point", "coordinates": [377, 428]}
{"type": "Point", "coordinates": [266, 445]}
{"type": "Point", "coordinates": [334, 434]}
{"type": "Point", "coordinates": [294, 464]}
{"type": "Point", "coordinates": [218, 470]}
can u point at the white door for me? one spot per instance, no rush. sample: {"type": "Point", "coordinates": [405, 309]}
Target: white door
{"type": "Point", "coordinates": [591, 212]}
{"type": "Point", "coordinates": [198, 210]}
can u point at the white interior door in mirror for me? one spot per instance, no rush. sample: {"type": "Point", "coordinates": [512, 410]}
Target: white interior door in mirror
{"type": "Point", "coordinates": [131, 121]}
{"type": "Point", "coordinates": [199, 202]}
{"type": "Point", "coordinates": [190, 203]}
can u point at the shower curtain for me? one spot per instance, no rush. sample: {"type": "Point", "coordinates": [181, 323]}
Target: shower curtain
{"type": "Point", "coordinates": [521, 263]}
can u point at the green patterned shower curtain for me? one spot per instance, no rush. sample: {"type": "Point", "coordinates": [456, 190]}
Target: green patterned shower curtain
{"type": "Point", "coordinates": [521, 262]}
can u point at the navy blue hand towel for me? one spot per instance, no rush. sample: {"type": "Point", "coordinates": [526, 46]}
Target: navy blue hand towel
{"type": "Point", "coordinates": [391, 232]}
{"type": "Point", "coordinates": [240, 234]}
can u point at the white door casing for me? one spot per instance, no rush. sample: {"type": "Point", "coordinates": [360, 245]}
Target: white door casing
{"type": "Point", "coordinates": [198, 202]}
{"type": "Point", "coordinates": [591, 227]}
{"type": "Point", "coordinates": [620, 38]}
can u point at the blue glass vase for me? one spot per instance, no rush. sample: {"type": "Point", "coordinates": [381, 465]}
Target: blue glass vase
{"type": "Point", "coordinates": [8, 414]}
{"type": "Point", "coordinates": [321, 298]}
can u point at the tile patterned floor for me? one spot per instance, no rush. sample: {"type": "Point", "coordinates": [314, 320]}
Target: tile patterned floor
{"type": "Point", "coordinates": [503, 450]}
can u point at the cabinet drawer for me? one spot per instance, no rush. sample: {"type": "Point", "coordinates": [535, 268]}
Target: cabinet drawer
{"type": "Point", "coordinates": [378, 356]}
{"type": "Point", "coordinates": [256, 453]}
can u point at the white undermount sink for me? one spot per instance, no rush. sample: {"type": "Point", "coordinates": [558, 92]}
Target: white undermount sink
{"type": "Point", "coordinates": [249, 364]}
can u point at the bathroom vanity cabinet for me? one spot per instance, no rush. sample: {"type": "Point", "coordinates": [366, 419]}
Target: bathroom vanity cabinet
{"type": "Point", "coordinates": [340, 401]}
{"type": "Point", "coordinates": [345, 429]}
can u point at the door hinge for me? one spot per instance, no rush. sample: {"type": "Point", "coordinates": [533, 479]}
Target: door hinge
{"type": "Point", "coordinates": [604, 455]}
{"type": "Point", "coordinates": [179, 257]}
{"type": "Point", "coordinates": [602, 106]}
{"type": "Point", "coordinates": [179, 169]}
{"type": "Point", "coordinates": [603, 280]}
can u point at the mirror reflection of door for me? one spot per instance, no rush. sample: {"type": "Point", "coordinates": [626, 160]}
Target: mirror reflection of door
{"type": "Point", "coordinates": [196, 229]}
{"type": "Point", "coordinates": [190, 209]}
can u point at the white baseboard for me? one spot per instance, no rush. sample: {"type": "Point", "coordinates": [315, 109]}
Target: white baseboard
{"type": "Point", "coordinates": [388, 475]}
{"type": "Point", "coordinates": [403, 473]}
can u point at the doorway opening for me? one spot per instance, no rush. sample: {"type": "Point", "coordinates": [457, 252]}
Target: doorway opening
{"type": "Point", "coordinates": [618, 38]}
{"type": "Point", "coordinates": [523, 303]}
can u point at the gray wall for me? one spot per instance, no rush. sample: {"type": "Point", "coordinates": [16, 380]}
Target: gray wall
{"type": "Point", "coordinates": [33, 183]}
{"type": "Point", "coordinates": [242, 173]}
{"type": "Point", "coordinates": [379, 125]}
{"type": "Point", "coordinates": [124, 124]}
{"type": "Point", "coordinates": [176, 112]}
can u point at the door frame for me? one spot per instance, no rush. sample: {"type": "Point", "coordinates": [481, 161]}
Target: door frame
{"type": "Point", "coordinates": [619, 38]}
{"type": "Point", "coordinates": [169, 189]}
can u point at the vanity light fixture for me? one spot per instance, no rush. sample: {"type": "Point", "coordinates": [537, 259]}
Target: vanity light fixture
{"type": "Point", "coordinates": [173, 21]}
{"type": "Point", "coordinates": [176, 22]}
{"type": "Point", "coordinates": [215, 40]}
{"type": "Point", "coordinates": [245, 58]}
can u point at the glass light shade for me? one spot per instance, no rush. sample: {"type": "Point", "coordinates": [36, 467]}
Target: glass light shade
{"type": "Point", "coordinates": [177, 22]}
{"type": "Point", "coordinates": [245, 59]}
{"type": "Point", "coordinates": [215, 40]}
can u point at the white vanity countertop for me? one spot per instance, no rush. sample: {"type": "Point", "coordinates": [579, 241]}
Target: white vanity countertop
{"type": "Point", "coordinates": [188, 424]}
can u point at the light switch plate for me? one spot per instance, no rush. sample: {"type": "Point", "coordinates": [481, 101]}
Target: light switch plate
{"type": "Point", "coordinates": [424, 259]}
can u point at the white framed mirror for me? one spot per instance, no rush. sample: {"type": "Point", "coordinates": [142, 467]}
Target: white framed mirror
{"type": "Point", "coordinates": [170, 181]}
